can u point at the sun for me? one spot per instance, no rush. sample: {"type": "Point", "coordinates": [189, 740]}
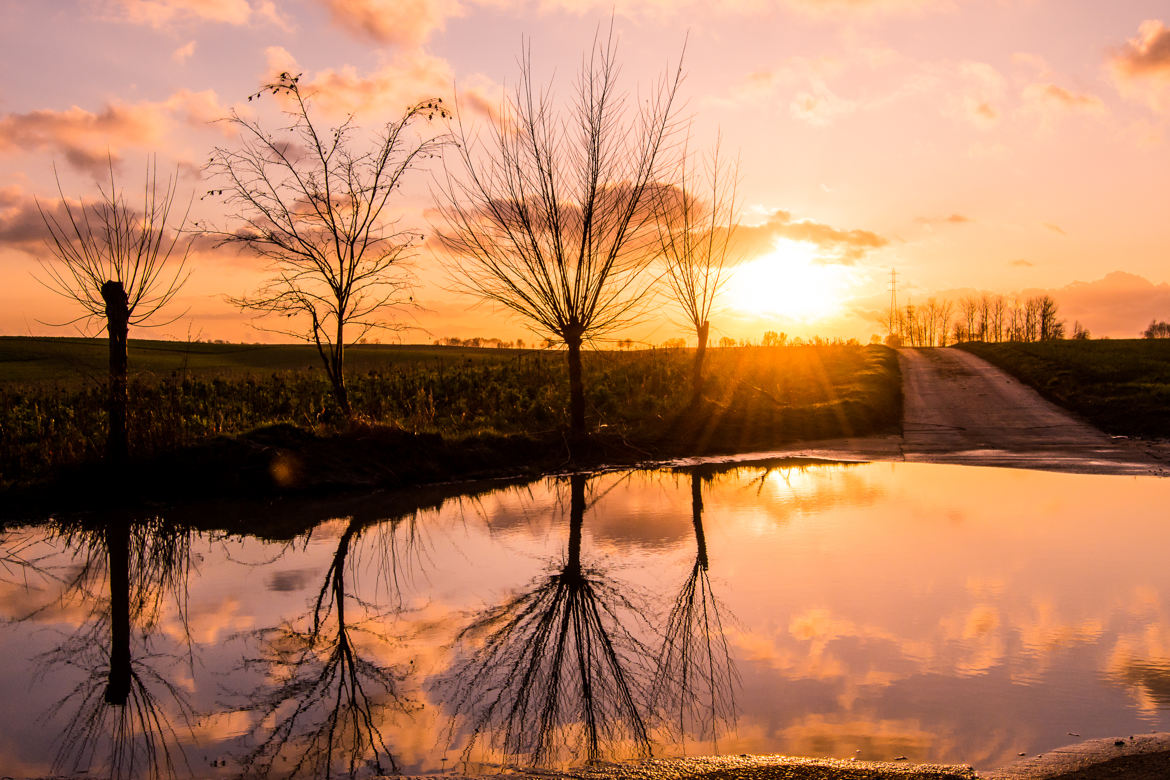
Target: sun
{"type": "Point", "coordinates": [790, 282]}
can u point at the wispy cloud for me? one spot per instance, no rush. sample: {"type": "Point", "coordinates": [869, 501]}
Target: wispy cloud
{"type": "Point", "coordinates": [184, 52]}
{"type": "Point", "coordinates": [952, 219]}
{"type": "Point", "coordinates": [1052, 96]}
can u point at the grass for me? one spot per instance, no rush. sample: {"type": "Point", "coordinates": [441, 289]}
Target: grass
{"type": "Point", "coordinates": [1122, 386]}
{"type": "Point", "coordinates": [52, 396]}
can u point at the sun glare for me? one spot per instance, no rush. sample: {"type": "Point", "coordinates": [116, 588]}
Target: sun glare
{"type": "Point", "coordinates": [790, 282]}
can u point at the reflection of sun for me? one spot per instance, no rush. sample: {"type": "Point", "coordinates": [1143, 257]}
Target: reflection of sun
{"type": "Point", "coordinates": [788, 281]}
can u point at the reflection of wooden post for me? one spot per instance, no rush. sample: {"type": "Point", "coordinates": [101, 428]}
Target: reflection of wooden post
{"type": "Point", "coordinates": [117, 326]}
{"type": "Point", "coordinates": [118, 547]}
{"type": "Point", "coordinates": [576, 522]}
{"type": "Point", "coordinates": [697, 518]}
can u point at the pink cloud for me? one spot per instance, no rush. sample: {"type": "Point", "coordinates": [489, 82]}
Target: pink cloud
{"type": "Point", "coordinates": [184, 52]}
{"type": "Point", "coordinates": [161, 13]}
{"type": "Point", "coordinates": [1146, 55]}
{"type": "Point", "coordinates": [1120, 304]}
{"type": "Point", "coordinates": [86, 139]}
{"type": "Point", "coordinates": [841, 245]}
{"type": "Point", "coordinates": [1049, 97]}
{"type": "Point", "coordinates": [410, 77]}
{"type": "Point", "coordinates": [1141, 67]}
{"type": "Point", "coordinates": [401, 22]}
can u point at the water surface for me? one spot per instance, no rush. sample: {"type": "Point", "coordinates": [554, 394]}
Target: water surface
{"type": "Point", "coordinates": [942, 613]}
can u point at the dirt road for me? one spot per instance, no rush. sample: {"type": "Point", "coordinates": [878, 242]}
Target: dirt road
{"type": "Point", "coordinates": [961, 409]}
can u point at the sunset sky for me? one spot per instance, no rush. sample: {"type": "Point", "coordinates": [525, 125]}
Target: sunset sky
{"type": "Point", "coordinates": [1009, 146]}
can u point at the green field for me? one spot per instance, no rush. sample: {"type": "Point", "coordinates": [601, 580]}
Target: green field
{"type": "Point", "coordinates": [80, 360]}
{"type": "Point", "coordinates": [52, 395]}
{"type": "Point", "coordinates": [1122, 386]}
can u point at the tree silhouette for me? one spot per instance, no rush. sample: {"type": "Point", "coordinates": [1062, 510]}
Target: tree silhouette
{"type": "Point", "coordinates": [553, 217]}
{"type": "Point", "coordinates": [314, 205]}
{"type": "Point", "coordinates": [556, 668]}
{"type": "Point", "coordinates": [119, 726]}
{"type": "Point", "coordinates": [121, 266]}
{"type": "Point", "coordinates": [328, 699]}
{"type": "Point", "coordinates": [696, 679]}
{"type": "Point", "coordinates": [696, 220]}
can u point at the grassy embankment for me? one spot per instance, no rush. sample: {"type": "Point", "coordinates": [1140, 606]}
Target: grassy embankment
{"type": "Point", "coordinates": [460, 410]}
{"type": "Point", "coordinates": [1121, 386]}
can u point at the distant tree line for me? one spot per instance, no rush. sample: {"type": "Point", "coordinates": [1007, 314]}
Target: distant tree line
{"type": "Point", "coordinates": [479, 342]}
{"type": "Point", "coordinates": [1159, 329]}
{"type": "Point", "coordinates": [989, 318]}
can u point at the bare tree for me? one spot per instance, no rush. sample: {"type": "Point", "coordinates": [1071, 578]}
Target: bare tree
{"type": "Point", "coordinates": [312, 203]}
{"type": "Point", "coordinates": [696, 221]}
{"type": "Point", "coordinates": [552, 218]}
{"type": "Point", "coordinates": [121, 265]}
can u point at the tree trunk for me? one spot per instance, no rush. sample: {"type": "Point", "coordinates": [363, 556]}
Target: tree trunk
{"type": "Point", "coordinates": [576, 522]}
{"type": "Point", "coordinates": [700, 354]}
{"type": "Point", "coordinates": [118, 550]}
{"type": "Point", "coordinates": [576, 388]}
{"type": "Point", "coordinates": [697, 519]}
{"type": "Point", "coordinates": [117, 326]}
{"type": "Point", "coordinates": [340, 393]}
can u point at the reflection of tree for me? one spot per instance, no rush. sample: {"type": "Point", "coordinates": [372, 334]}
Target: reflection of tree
{"type": "Point", "coordinates": [118, 717]}
{"type": "Point", "coordinates": [328, 701]}
{"type": "Point", "coordinates": [556, 666]}
{"type": "Point", "coordinates": [696, 678]}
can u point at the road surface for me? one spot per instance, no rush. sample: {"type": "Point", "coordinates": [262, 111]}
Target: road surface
{"type": "Point", "coordinates": [961, 409]}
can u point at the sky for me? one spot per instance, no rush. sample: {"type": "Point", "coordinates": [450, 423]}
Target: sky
{"type": "Point", "coordinates": [1005, 146]}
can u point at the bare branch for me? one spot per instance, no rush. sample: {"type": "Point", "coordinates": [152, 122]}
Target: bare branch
{"type": "Point", "coordinates": [313, 206]}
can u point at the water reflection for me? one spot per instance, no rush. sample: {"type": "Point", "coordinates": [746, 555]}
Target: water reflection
{"type": "Point", "coordinates": [936, 612]}
{"type": "Point", "coordinates": [326, 693]}
{"type": "Point", "coordinates": [560, 666]}
{"type": "Point", "coordinates": [126, 716]}
{"type": "Point", "coordinates": [696, 678]}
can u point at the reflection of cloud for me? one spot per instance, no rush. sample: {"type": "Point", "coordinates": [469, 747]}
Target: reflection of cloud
{"type": "Point", "coordinates": [844, 246]}
{"type": "Point", "coordinates": [850, 735]}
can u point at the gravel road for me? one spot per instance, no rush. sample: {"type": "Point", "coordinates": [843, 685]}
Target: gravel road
{"type": "Point", "coordinates": [961, 409]}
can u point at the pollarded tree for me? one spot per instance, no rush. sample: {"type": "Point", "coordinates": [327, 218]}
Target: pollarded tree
{"type": "Point", "coordinates": [553, 216]}
{"type": "Point", "coordinates": [696, 221]}
{"type": "Point", "coordinates": [313, 202]}
{"type": "Point", "coordinates": [121, 265]}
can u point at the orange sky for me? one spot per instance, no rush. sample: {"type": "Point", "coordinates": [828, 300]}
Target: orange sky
{"type": "Point", "coordinates": [1011, 146]}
